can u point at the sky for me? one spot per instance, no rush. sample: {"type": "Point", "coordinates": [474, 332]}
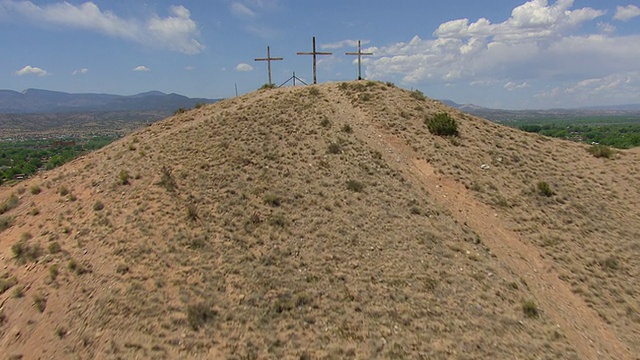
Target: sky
{"type": "Point", "coordinates": [510, 54]}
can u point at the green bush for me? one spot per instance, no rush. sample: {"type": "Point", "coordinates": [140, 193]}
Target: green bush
{"type": "Point", "coordinates": [530, 309]}
{"type": "Point", "coordinates": [267, 86]}
{"type": "Point", "coordinates": [545, 189]}
{"type": "Point", "coordinates": [123, 177]}
{"type": "Point", "coordinates": [442, 124]}
{"type": "Point", "coordinates": [23, 251]}
{"type": "Point", "coordinates": [418, 95]}
{"type": "Point", "coordinates": [5, 222]}
{"type": "Point", "coordinates": [601, 151]}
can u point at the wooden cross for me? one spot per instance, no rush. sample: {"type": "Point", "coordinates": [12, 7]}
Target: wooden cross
{"type": "Point", "coordinates": [359, 53]}
{"type": "Point", "coordinates": [269, 59]}
{"type": "Point", "coordinates": [314, 53]}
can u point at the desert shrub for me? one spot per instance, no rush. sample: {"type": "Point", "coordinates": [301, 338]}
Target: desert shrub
{"type": "Point", "coordinates": [54, 271]}
{"type": "Point", "coordinates": [355, 185]}
{"type": "Point", "coordinates": [54, 247]}
{"type": "Point", "coordinates": [346, 128]}
{"type": "Point", "coordinates": [334, 148]}
{"type": "Point", "coordinates": [601, 151]}
{"type": "Point", "coordinates": [418, 95]}
{"type": "Point", "coordinates": [9, 204]}
{"type": "Point", "coordinates": [35, 189]}
{"type": "Point", "coordinates": [325, 122]}
{"type": "Point", "coordinates": [200, 314]}
{"type": "Point", "coordinates": [611, 263]}
{"type": "Point", "coordinates": [530, 309]}
{"type": "Point", "coordinates": [272, 200]}
{"type": "Point", "coordinates": [6, 283]}
{"type": "Point", "coordinates": [5, 222]}
{"type": "Point", "coordinates": [23, 251]}
{"type": "Point", "coordinates": [63, 190]}
{"type": "Point", "coordinates": [200, 105]}
{"type": "Point", "coordinates": [267, 86]}
{"type": "Point", "coordinates": [40, 301]}
{"type": "Point", "coordinates": [442, 124]}
{"type": "Point", "coordinates": [544, 189]}
{"type": "Point", "coordinates": [98, 205]}
{"type": "Point", "coordinates": [278, 220]}
{"type": "Point", "coordinates": [166, 179]}
{"type": "Point", "coordinates": [123, 177]}
{"type": "Point", "coordinates": [390, 84]}
{"type": "Point", "coordinates": [313, 91]}
{"type": "Point", "coordinates": [192, 212]}
{"type": "Point", "coordinates": [365, 97]}
{"type": "Point", "coordinates": [180, 111]}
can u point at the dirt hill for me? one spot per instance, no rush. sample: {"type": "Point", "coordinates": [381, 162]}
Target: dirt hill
{"type": "Point", "coordinates": [324, 222]}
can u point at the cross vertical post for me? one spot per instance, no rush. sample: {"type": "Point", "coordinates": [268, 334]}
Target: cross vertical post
{"type": "Point", "coordinates": [314, 53]}
{"type": "Point", "coordinates": [359, 53]}
{"type": "Point", "coordinates": [269, 59]}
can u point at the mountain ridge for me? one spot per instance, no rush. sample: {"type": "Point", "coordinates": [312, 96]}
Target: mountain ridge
{"type": "Point", "coordinates": [47, 101]}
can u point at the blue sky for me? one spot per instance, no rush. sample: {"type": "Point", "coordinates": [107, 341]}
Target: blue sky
{"type": "Point", "coordinates": [512, 54]}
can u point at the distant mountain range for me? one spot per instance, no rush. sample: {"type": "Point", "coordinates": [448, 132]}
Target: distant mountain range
{"type": "Point", "coordinates": [501, 115]}
{"type": "Point", "coordinates": [45, 101]}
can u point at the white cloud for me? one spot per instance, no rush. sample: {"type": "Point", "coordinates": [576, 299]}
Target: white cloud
{"type": "Point", "coordinates": [343, 43]}
{"type": "Point", "coordinates": [31, 70]}
{"type": "Point", "coordinates": [540, 43]}
{"type": "Point", "coordinates": [80, 71]}
{"type": "Point", "coordinates": [141, 68]}
{"type": "Point", "coordinates": [242, 11]}
{"type": "Point", "coordinates": [606, 28]}
{"type": "Point", "coordinates": [175, 32]}
{"type": "Point", "coordinates": [513, 86]}
{"type": "Point", "coordinates": [244, 67]}
{"type": "Point", "coordinates": [626, 13]}
{"type": "Point", "coordinates": [189, 68]}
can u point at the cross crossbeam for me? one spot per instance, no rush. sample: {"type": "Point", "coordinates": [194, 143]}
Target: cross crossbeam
{"type": "Point", "coordinates": [269, 59]}
{"type": "Point", "coordinates": [360, 54]}
{"type": "Point", "coordinates": [315, 54]}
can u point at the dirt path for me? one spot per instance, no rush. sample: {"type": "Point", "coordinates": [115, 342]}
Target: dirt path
{"type": "Point", "coordinates": [590, 335]}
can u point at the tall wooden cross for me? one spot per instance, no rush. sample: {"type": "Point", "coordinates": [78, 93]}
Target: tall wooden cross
{"type": "Point", "coordinates": [269, 59]}
{"type": "Point", "coordinates": [359, 53]}
{"type": "Point", "coordinates": [314, 53]}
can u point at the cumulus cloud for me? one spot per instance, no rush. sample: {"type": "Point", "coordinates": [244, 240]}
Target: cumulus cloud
{"type": "Point", "coordinates": [31, 70]}
{"type": "Point", "coordinates": [539, 43]}
{"type": "Point", "coordinates": [141, 68]}
{"type": "Point", "coordinates": [343, 43]}
{"type": "Point", "coordinates": [175, 32]}
{"type": "Point", "coordinates": [80, 71]}
{"type": "Point", "coordinates": [626, 13]}
{"type": "Point", "coordinates": [244, 67]}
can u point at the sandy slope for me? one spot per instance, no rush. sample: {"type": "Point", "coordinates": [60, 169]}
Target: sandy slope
{"type": "Point", "coordinates": [326, 222]}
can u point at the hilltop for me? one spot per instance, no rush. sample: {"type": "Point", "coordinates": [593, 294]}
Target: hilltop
{"type": "Point", "coordinates": [324, 222]}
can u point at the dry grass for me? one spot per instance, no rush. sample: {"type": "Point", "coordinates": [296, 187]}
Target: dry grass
{"type": "Point", "coordinates": [240, 236]}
